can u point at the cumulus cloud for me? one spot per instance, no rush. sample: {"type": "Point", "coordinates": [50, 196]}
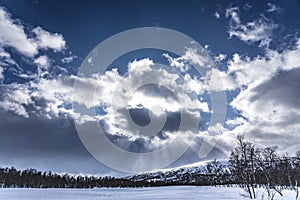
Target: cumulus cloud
{"type": "Point", "coordinates": [212, 80]}
{"type": "Point", "coordinates": [55, 94]}
{"type": "Point", "coordinates": [41, 97]}
{"type": "Point", "coordinates": [13, 35]}
{"type": "Point", "coordinates": [14, 98]}
{"type": "Point", "coordinates": [42, 62]}
{"type": "Point", "coordinates": [26, 98]}
{"type": "Point", "coordinates": [242, 71]}
{"type": "Point", "coordinates": [259, 30]}
{"type": "Point", "coordinates": [145, 87]}
{"type": "Point", "coordinates": [145, 72]}
{"type": "Point", "coordinates": [44, 39]}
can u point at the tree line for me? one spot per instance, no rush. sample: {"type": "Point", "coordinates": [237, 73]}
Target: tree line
{"type": "Point", "coordinates": [31, 178]}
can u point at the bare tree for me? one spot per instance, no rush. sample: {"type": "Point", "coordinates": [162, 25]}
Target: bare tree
{"type": "Point", "coordinates": [243, 163]}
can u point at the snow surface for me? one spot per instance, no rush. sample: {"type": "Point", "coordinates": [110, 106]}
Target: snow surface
{"type": "Point", "coordinates": [175, 192]}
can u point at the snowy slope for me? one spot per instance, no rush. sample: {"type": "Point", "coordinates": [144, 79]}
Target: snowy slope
{"type": "Point", "coordinates": [184, 172]}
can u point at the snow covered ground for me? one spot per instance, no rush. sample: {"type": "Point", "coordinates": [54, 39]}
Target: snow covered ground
{"type": "Point", "coordinates": [175, 192]}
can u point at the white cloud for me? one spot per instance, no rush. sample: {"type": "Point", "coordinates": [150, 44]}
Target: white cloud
{"type": "Point", "coordinates": [218, 80]}
{"type": "Point", "coordinates": [44, 97]}
{"type": "Point", "coordinates": [272, 8]}
{"type": "Point", "coordinates": [242, 71]}
{"type": "Point", "coordinates": [12, 34]}
{"type": "Point", "coordinates": [14, 107]}
{"type": "Point", "coordinates": [46, 40]}
{"type": "Point", "coordinates": [259, 30]}
{"type": "Point", "coordinates": [31, 96]}
{"type": "Point", "coordinates": [236, 121]}
{"type": "Point", "coordinates": [233, 13]}
{"type": "Point", "coordinates": [213, 80]}
{"type": "Point", "coordinates": [196, 58]}
{"type": "Point", "coordinates": [56, 93]}
{"type": "Point", "coordinates": [14, 98]}
{"type": "Point", "coordinates": [176, 62]}
{"type": "Point", "coordinates": [291, 58]}
{"type": "Point", "coordinates": [217, 15]}
{"type": "Point", "coordinates": [43, 62]}
{"type": "Point", "coordinates": [220, 57]}
{"type": "Point", "coordinates": [194, 85]}
{"type": "Point", "coordinates": [216, 129]}
{"type": "Point", "coordinates": [68, 59]}
{"type": "Point", "coordinates": [158, 105]}
{"type": "Point", "coordinates": [190, 57]}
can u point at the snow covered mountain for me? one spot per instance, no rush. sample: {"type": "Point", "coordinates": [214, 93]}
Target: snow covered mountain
{"type": "Point", "coordinates": [199, 172]}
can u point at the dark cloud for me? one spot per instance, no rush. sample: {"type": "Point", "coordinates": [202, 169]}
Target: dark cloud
{"type": "Point", "coordinates": [46, 144]}
{"type": "Point", "coordinates": [273, 110]}
{"type": "Point", "coordinates": [283, 89]}
{"type": "Point", "coordinates": [141, 117]}
{"type": "Point", "coordinates": [156, 90]}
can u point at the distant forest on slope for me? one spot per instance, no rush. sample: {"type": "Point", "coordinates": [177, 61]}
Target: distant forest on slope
{"type": "Point", "coordinates": [248, 167]}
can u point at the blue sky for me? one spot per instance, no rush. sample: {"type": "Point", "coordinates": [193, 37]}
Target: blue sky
{"type": "Point", "coordinates": [255, 48]}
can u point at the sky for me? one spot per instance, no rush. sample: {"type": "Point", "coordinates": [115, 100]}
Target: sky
{"type": "Point", "coordinates": [240, 75]}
